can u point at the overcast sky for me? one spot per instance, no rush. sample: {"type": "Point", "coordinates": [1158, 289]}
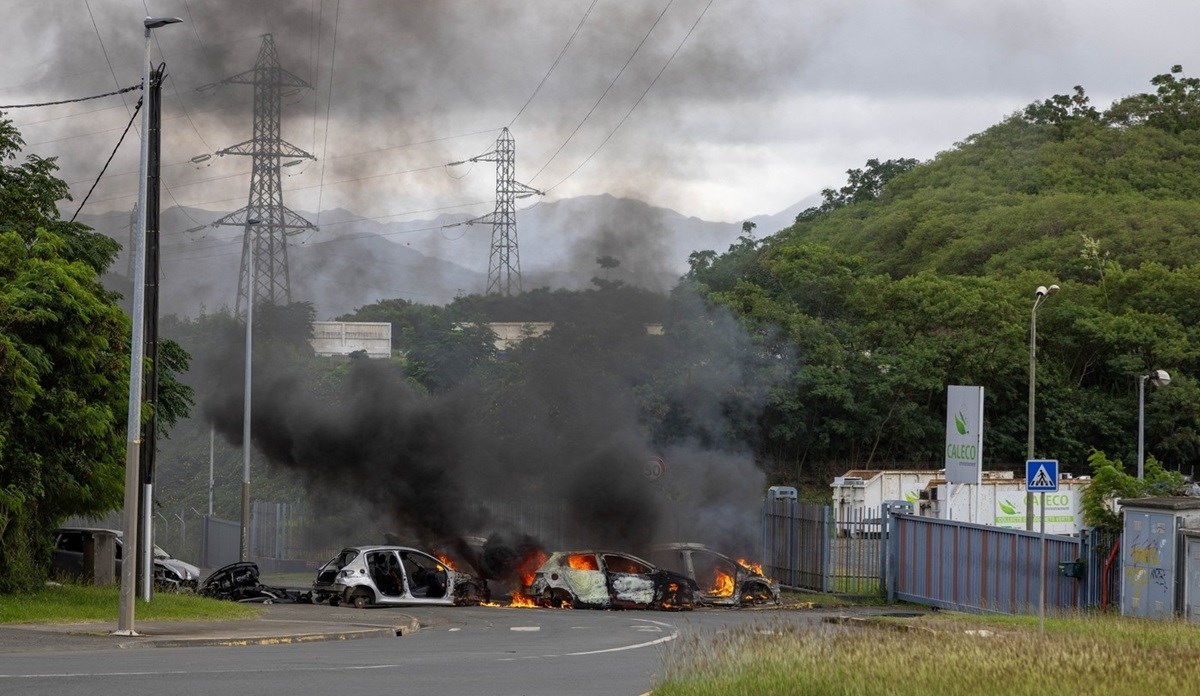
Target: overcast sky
{"type": "Point", "coordinates": [765, 103]}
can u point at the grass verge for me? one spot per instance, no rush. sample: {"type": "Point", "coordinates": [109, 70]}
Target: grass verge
{"type": "Point", "coordinates": [1078, 656]}
{"type": "Point", "coordinates": [84, 603]}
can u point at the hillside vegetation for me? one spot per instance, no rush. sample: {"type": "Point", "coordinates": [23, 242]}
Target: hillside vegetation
{"type": "Point", "coordinates": [914, 276]}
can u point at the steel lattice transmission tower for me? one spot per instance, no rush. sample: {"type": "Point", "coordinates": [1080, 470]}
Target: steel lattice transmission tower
{"type": "Point", "coordinates": [504, 263]}
{"type": "Point", "coordinates": [265, 205]}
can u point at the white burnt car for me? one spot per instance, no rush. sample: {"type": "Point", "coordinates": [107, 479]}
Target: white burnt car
{"type": "Point", "coordinates": [609, 580]}
{"type": "Point", "coordinates": [394, 575]}
{"type": "Point", "coordinates": [722, 580]}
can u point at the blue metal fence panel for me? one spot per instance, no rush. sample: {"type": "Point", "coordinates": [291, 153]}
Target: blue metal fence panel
{"type": "Point", "coordinates": [972, 567]}
{"type": "Point", "coordinates": [796, 544]}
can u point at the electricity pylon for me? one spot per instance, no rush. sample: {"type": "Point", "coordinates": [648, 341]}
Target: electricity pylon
{"type": "Point", "coordinates": [504, 262]}
{"type": "Point", "coordinates": [267, 239]}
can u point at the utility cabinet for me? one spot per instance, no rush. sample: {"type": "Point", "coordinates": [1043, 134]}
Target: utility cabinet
{"type": "Point", "coordinates": [1152, 549]}
{"type": "Point", "coordinates": [1191, 575]}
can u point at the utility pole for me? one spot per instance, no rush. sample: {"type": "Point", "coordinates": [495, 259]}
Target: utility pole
{"type": "Point", "coordinates": [266, 242]}
{"type": "Point", "coordinates": [504, 262]}
{"type": "Point", "coordinates": [148, 451]}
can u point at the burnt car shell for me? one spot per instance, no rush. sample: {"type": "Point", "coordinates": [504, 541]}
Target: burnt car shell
{"type": "Point", "coordinates": [239, 582]}
{"type": "Point", "coordinates": [722, 581]}
{"type": "Point", "coordinates": [609, 580]}
{"type": "Point", "coordinates": [395, 575]}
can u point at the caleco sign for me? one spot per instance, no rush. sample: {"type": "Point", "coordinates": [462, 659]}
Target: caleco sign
{"type": "Point", "coordinates": [964, 434]}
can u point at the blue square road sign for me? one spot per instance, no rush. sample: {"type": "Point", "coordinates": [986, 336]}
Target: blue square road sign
{"type": "Point", "coordinates": [1041, 475]}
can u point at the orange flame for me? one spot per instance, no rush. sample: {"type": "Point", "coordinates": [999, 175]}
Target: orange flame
{"type": "Point", "coordinates": [753, 567]}
{"type": "Point", "coordinates": [448, 563]}
{"type": "Point", "coordinates": [520, 600]}
{"type": "Point", "coordinates": [529, 565]}
{"type": "Point", "coordinates": [582, 561]}
{"type": "Point", "coordinates": [722, 585]}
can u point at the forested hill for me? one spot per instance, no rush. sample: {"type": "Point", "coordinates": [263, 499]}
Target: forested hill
{"type": "Point", "coordinates": [1026, 193]}
{"type": "Point", "coordinates": [913, 276]}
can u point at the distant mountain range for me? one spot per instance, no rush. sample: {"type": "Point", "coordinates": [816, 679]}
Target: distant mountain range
{"type": "Point", "coordinates": [352, 261]}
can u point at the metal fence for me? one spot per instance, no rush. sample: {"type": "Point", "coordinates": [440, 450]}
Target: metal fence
{"type": "Point", "coordinates": [1101, 560]}
{"type": "Point", "coordinates": [973, 567]}
{"type": "Point", "coordinates": [943, 563]}
{"type": "Point", "coordinates": [806, 546]}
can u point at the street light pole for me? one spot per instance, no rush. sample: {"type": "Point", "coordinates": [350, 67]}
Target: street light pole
{"type": "Point", "coordinates": [1041, 294]}
{"type": "Point", "coordinates": [133, 425]}
{"type": "Point", "coordinates": [244, 544]}
{"type": "Point", "coordinates": [1158, 378]}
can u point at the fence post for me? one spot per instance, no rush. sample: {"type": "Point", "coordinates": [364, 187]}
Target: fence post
{"type": "Point", "coordinates": [885, 533]}
{"type": "Point", "coordinates": [826, 547]}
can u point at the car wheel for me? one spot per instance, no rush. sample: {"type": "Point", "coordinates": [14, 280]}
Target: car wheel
{"type": "Point", "coordinates": [469, 595]}
{"type": "Point", "coordinates": [361, 601]}
{"type": "Point", "coordinates": [756, 593]}
{"type": "Point", "coordinates": [335, 600]}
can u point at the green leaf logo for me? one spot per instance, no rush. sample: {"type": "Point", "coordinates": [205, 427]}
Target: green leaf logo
{"type": "Point", "coordinates": [1007, 507]}
{"type": "Point", "coordinates": [960, 423]}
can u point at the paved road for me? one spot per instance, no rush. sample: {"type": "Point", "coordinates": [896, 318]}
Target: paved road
{"type": "Point", "coordinates": [458, 650]}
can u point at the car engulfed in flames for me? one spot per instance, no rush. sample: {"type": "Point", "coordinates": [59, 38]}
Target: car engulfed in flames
{"type": "Point", "coordinates": [722, 580]}
{"type": "Point", "coordinates": [608, 580]}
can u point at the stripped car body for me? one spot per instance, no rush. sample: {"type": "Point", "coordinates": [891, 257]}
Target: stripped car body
{"type": "Point", "coordinates": [609, 580]}
{"type": "Point", "coordinates": [238, 582]}
{"type": "Point", "coordinates": [394, 575]}
{"type": "Point", "coordinates": [722, 580]}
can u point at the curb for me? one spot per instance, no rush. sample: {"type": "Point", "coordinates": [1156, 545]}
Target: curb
{"type": "Point", "coordinates": [238, 636]}
{"type": "Point", "coordinates": [265, 640]}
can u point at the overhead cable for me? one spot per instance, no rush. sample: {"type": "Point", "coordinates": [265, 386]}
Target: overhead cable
{"type": "Point", "coordinates": [606, 90]}
{"type": "Point", "coordinates": [639, 99]}
{"type": "Point", "coordinates": [555, 63]}
{"type": "Point", "coordinates": [72, 101]}
{"type": "Point", "coordinates": [103, 169]}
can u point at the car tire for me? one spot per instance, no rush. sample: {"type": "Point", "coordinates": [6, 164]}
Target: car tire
{"type": "Point", "coordinates": [469, 595]}
{"type": "Point", "coordinates": [335, 600]}
{"type": "Point", "coordinates": [361, 601]}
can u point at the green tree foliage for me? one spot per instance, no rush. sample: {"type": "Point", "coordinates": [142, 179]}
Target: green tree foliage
{"type": "Point", "coordinates": [63, 357]}
{"type": "Point", "coordinates": [442, 347]}
{"type": "Point", "coordinates": [914, 276]}
{"type": "Point", "coordinates": [63, 368]}
{"type": "Point", "coordinates": [1111, 483]}
{"type": "Point", "coordinates": [862, 185]}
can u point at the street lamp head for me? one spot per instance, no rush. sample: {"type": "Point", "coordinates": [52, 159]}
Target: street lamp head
{"type": "Point", "coordinates": [156, 22]}
{"type": "Point", "coordinates": [1042, 290]}
{"type": "Point", "coordinates": [1053, 289]}
{"type": "Point", "coordinates": [1159, 378]}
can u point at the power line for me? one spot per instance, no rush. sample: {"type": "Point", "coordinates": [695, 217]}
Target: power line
{"type": "Point", "coordinates": [639, 99]}
{"type": "Point", "coordinates": [328, 105]}
{"type": "Point", "coordinates": [72, 101]}
{"type": "Point", "coordinates": [120, 140]}
{"type": "Point", "coordinates": [555, 64]}
{"type": "Point", "coordinates": [606, 90]}
{"type": "Point", "coordinates": [103, 50]}
{"type": "Point", "coordinates": [224, 243]}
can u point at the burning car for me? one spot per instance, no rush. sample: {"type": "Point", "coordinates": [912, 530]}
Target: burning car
{"type": "Point", "coordinates": [609, 580]}
{"type": "Point", "coordinates": [722, 580]}
{"type": "Point", "coordinates": [394, 575]}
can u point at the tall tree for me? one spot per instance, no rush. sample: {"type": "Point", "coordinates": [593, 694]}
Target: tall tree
{"type": "Point", "coordinates": [64, 364]}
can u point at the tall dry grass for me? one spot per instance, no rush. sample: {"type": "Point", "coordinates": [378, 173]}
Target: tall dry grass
{"type": "Point", "coordinates": [1081, 656]}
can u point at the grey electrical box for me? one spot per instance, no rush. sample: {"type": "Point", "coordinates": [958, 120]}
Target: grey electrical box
{"type": "Point", "coordinates": [782, 493]}
{"type": "Point", "coordinates": [1151, 550]}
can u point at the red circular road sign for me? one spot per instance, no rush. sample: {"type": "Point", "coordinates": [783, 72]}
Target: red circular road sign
{"type": "Point", "coordinates": [655, 468]}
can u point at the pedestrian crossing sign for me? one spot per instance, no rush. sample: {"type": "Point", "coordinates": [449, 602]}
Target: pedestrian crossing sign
{"type": "Point", "coordinates": [1041, 475]}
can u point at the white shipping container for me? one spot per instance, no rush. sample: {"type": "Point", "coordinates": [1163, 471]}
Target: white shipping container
{"type": "Point", "coordinates": [859, 495]}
